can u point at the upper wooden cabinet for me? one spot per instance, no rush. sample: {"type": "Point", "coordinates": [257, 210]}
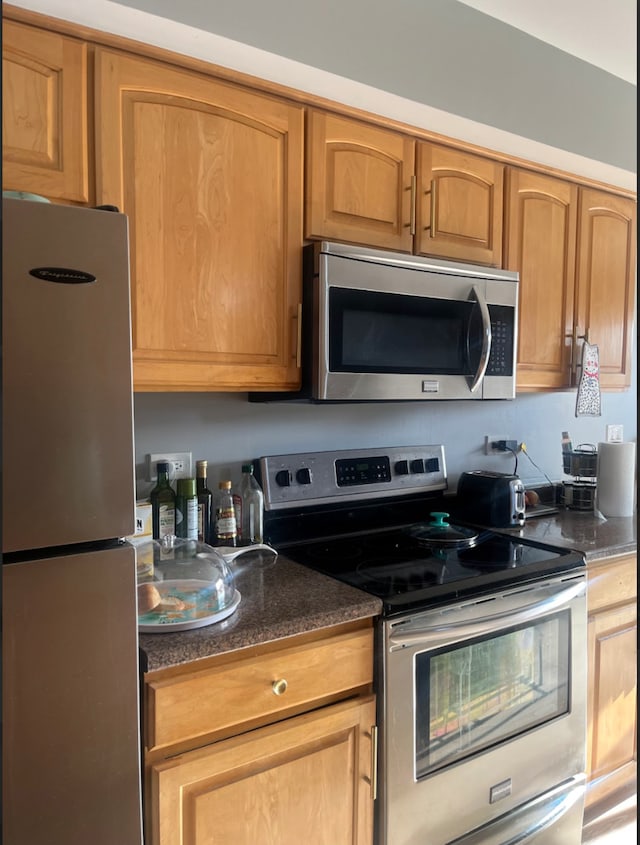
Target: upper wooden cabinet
{"type": "Point", "coordinates": [459, 205]}
{"type": "Point", "coordinates": [210, 175]}
{"type": "Point", "coordinates": [44, 113]}
{"type": "Point", "coordinates": [575, 251]}
{"type": "Point", "coordinates": [540, 243]}
{"type": "Point", "coordinates": [606, 281]}
{"type": "Point", "coordinates": [374, 186]}
{"type": "Point", "coordinates": [359, 183]}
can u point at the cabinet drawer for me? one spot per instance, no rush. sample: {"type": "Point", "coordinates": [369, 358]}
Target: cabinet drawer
{"type": "Point", "coordinates": [257, 689]}
{"type": "Point", "coordinates": [611, 582]}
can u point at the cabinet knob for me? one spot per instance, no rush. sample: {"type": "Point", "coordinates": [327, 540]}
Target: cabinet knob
{"type": "Point", "coordinates": [279, 687]}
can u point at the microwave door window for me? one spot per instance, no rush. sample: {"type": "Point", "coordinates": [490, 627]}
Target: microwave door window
{"type": "Point", "coordinates": [392, 333]}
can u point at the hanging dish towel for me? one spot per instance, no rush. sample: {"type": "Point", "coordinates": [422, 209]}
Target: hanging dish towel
{"type": "Point", "coordinates": [588, 399]}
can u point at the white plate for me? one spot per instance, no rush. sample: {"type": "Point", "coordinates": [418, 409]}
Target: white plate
{"type": "Point", "coordinates": [189, 618]}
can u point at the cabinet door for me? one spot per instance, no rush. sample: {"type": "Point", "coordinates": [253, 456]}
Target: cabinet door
{"type": "Point", "coordinates": [359, 183]}
{"type": "Point", "coordinates": [306, 779]}
{"type": "Point", "coordinates": [540, 243]}
{"type": "Point", "coordinates": [606, 281]}
{"type": "Point", "coordinates": [44, 113]}
{"type": "Point", "coordinates": [612, 678]}
{"type": "Point", "coordinates": [210, 175]}
{"type": "Point", "coordinates": [459, 205]}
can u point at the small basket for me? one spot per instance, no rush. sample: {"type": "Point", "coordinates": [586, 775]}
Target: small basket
{"type": "Point", "coordinates": [581, 462]}
{"type": "Point", "coordinates": [578, 495]}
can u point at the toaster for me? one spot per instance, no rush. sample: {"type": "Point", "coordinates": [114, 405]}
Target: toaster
{"type": "Point", "coordinates": [493, 499]}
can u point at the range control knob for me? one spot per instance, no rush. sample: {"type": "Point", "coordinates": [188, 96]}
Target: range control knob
{"type": "Point", "coordinates": [283, 478]}
{"type": "Point", "coordinates": [401, 467]}
{"type": "Point", "coordinates": [417, 465]}
{"type": "Point", "coordinates": [303, 476]}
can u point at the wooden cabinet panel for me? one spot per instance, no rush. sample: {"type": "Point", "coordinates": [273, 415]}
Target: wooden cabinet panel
{"type": "Point", "coordinates": [606, 281]}
{"type": "Point", "coordinates": [210, 175]}
{"type": "Point", "coordinates": [541, 220]}
{"type": "Point", "coordinates": [306, 779]}
{"type": "Point", "coordinates": [575, 251]}
{"type": "Point", "coordinates": [44, 113]}
{"type": "Point", "coordinates": [365, 186]}
{"type": "Point", "coordinates": [188, 706]}
{"type": "Point", "coordinates": [359, 182]}
{"type": "Point", "coordinates": [459, 205]}
{"type": "Point", "coordinates": [612, 677]}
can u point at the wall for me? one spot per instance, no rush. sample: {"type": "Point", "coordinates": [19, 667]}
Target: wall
{"type": "Point", "coordinates": [227, 430]}
{"type": "Point", "coordinates": [440, 65]}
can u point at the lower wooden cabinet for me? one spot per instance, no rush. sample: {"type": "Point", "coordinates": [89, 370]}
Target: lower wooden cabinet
{"type": "Point", "coordinates": [272, 744]}
{"type": "Point", "coordinates": [306, 779]}
{"type": "Point", "coordinates": [612, 677]}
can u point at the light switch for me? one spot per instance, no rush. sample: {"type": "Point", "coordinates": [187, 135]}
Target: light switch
{"type": "Point", "coordinates": [614, 434]}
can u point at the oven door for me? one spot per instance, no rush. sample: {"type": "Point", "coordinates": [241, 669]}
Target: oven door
{"type": "Point", "coordinates": [405, 333]}
{"type": "Point", "coordinates": [483, 719]}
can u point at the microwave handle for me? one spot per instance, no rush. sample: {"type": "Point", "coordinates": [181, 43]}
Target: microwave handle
{"type": "Point", "coordinates": [486, 340]}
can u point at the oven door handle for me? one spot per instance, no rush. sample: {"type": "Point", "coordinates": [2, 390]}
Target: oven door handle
{"type": "Point", "coordinates": [439, 633]}
{"type": "Point", "coordinates": [475, 383]}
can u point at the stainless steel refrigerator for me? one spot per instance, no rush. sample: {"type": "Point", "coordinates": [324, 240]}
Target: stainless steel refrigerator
{"type": "Point", "coordinates": [70, 680]}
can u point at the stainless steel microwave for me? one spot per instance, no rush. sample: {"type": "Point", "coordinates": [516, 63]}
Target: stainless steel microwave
{"type": "Point", "coordinates": [383, 326]}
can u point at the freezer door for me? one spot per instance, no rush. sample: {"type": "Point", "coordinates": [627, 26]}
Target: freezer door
{"type": "Point", "coordinates": [67, 436]}
{"type": "Point", "coordinates": [70, 701]}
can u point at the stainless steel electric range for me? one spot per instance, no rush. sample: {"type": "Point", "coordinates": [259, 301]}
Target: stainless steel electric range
{"type": "Point", "coordinates": [480, 649]}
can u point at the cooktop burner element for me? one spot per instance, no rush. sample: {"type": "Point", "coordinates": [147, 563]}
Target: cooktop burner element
{"type": "Point", "coordinates": [367, 518]}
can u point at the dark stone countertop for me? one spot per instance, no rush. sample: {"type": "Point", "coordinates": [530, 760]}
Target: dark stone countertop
{"type": "Point", "coordinates": [585, 531]}
{"type": "Point", "coordinates": [280, 598]}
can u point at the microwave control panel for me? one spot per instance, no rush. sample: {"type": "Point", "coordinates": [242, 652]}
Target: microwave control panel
{"type": "Point", "coordinates": [502, 328]}
{"type": "Point", "coordinates": [316, 478]}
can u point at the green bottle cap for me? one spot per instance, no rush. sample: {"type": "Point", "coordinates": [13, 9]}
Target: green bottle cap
{"type": "Point", "coordinates": [247, 467]}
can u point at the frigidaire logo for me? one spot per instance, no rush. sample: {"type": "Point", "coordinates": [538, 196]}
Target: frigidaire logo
{"type": "Point", "coordinates": [62, 275]}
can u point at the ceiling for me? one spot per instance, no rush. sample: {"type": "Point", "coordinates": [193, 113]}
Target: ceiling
{"type": "Point", "coordinates": [603, 34]}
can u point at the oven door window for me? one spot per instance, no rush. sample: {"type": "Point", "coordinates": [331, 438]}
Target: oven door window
{"type": "Point", "coordinates": [473, 695]}
{"type": "Point", "coordinates": [372, 332]}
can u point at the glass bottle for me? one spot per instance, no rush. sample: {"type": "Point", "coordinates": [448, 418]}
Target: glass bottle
{"type": "Point", "coordinates": [187, 509]}
{"type": "Point", "coordinates": [251, 508]}
{"type": "Point", "coordinates": [226, 528]}
{"type": "Point", "coordinates": [205, 498]}
{"type": "Point", "coordinates": [163, 504]}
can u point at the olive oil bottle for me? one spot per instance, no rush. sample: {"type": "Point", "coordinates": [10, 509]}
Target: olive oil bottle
{"type": "Point", "coordinates": [163, 504]}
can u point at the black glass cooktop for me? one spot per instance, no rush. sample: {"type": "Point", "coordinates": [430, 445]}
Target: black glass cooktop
{"type": "Point", "coordinates": [405, 574]}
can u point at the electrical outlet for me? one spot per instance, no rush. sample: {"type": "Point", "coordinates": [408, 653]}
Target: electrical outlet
{"type": "Point", "coordinates": [512, 445]}
{"type": "Point", "coordinates": [179, 465]}
{"type": "Point", "coordinates": [614, 434]}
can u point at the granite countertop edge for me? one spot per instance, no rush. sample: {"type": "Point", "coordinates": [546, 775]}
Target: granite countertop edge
{"type": "Point", "coordinates": [279, 599]}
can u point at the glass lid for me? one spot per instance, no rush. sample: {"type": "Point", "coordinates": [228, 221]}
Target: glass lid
{"type": "Point", "coordinates": [439, 534]}
{"type": "Point", "coordinates": [182, 584]}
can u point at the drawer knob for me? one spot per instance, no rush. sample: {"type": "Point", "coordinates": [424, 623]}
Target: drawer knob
{"type": "Point", "coordinates": [279, 687]}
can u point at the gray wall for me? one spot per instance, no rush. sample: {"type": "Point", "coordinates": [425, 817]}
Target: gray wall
{"type": "Point", "coordinates": [441, 53]}
{"type": "Point", "coordinates": [447, 56]}
{"type": "Point", "coordinates": [227, 430]}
